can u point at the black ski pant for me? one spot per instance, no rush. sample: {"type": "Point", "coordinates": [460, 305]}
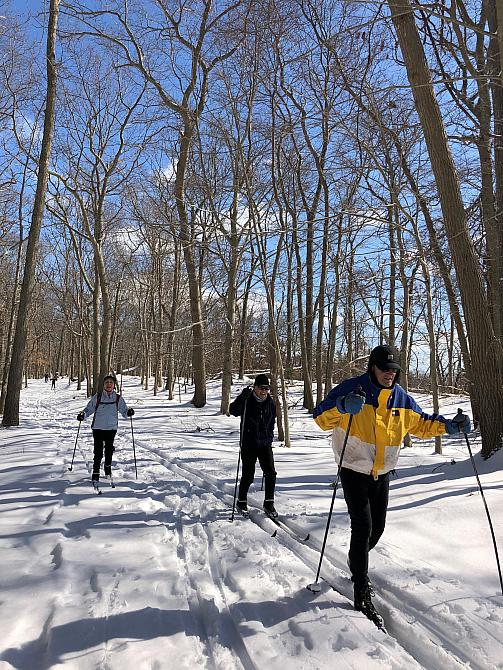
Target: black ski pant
{"type": "Point", "coordinates": [367, 501]}
{"type": "Point", "coordinates": [249, 457]}
{"type": "Point", "coordinates": [103, 439]}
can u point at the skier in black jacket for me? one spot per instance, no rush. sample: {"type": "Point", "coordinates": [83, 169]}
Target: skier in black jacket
{"type": "Point", "coordinates": [258, 414]}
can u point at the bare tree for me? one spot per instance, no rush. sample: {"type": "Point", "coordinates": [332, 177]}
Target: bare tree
{"type": "Point", "coordinates": [485, 349]}
{"type": "Point", "coordinates": [11, 411]}
{"type": "Point", "coordinates": [182, 47]}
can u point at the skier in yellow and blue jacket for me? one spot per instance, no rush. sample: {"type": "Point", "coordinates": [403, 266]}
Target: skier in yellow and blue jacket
{"type": "Point", "coordinates": [383, 413]}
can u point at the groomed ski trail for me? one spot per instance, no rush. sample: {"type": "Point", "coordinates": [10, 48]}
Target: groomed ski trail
{"type": "Point", "coordinates": [430, 647]}
{"type": "Point", "coordinates": [105, 612]}
{"type": "Point", "coordinates": [437, 639]}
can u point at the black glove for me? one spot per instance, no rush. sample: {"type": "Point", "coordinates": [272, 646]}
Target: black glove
{"type": "Point", "coordinates": [130, 412]}
{"type": "Point", "coordinates": [80, 416]}
{"type": "Point", "coordinates": [246, 392]}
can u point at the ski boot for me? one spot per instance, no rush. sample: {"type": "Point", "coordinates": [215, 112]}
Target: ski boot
{"type": "Point", "coordinates": [269, 509]}
{"type": "Point", "coordinates": [369, 583]}
{"type": "Point", "coordinates": [363, 603]}
{"type": "Point", "coordinates": [242, 507]}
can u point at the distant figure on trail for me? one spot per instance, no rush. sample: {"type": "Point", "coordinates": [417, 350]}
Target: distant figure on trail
{"type": "Point", "coordinates": [105, 407]}
{"type": "Point", "coordinates": [53, 382]}
{"type": "Point", "coordinates": [258, 414]}
{"type": "Point", "coordinates": [46, 377]}
{"type": "Point", "coordinates": [383, 413]}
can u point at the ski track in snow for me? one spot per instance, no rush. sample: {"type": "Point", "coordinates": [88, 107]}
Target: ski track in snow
{"type": "Point", "coordinates": [220, 596]}
{"type": "Point", "coordinates": [429, 639]}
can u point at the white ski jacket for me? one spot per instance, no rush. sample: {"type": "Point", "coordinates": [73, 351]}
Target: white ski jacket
{"type": "Point", "coordinates": [106, 411]}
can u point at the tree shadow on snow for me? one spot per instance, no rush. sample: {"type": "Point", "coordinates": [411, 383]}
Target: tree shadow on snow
{"type": "Point", "coordinates": [85, 634]}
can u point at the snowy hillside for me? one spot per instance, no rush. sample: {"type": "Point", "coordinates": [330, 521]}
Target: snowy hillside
{"type": "Point", "coordinates": [153, 575]}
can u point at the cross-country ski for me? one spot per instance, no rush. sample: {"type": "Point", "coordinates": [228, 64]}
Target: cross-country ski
{"type": "Point", "coordinates": [301, 536]}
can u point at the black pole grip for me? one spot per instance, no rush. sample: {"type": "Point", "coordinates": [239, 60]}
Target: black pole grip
{"type": "Point", "coordinates": [359, 391]}
{"type": "Point", "coordinates": [459, 418]}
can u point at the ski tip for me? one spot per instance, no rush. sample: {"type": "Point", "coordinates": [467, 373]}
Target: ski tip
{"type": "Point", "coordinates": [314, 588]}
{"type": "Point", "coordinates": [379, 624]}
{"type": "Point", "coordinates": [275, 533]}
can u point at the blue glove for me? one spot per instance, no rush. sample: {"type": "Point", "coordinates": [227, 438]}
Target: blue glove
{"type": "Point", "coordinates": [460, 424]}
{"type": "Point", "coordinates": [352, 403]}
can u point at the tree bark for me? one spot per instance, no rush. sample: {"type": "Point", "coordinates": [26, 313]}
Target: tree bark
{"type": "Point", "coordinates": [485, 349]}
{"type": "Point", "coordinates": [11, 411]}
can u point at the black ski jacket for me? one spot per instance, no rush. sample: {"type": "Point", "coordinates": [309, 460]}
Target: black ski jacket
{"type": "Point", "coordinates": [259, 418]}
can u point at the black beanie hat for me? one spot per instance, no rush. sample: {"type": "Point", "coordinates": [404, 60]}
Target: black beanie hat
{"type": "Point", "coordinates": [261, 380]}
{"type": "Point", "coordinates": [384, 357]}
{"type": "Point", "coordinates": [112, 377]}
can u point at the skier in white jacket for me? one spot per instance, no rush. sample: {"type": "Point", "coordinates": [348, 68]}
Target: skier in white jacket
{"type": "Point", "coordinates": [105, 407]}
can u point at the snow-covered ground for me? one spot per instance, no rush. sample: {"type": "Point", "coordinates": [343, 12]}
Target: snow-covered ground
{"type": "Point", "coordinates": [153, 575]}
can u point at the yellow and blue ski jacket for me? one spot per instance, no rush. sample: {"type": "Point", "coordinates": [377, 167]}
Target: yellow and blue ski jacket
{"type": "Point", "coordinates": [377, 431]}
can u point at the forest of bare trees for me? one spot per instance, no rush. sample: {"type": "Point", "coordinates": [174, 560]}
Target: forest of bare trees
{"type": "Point", "coordinates": [205, 188]}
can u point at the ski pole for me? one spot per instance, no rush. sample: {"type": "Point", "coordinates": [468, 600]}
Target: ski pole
{"type": "Point", "coordinates": [315, 587]}
{"type": "Point", "coordinates": [241, 428]}
{"type": "Point", "coordinates": [236, 486]}
{"type": "Point", "coordinates": [75, 447]}
{"type": "Point", "coordinates": [134, 451]}
{"type": "Point", "coordinates": [459, 419]}
{"type": "Point", "coordinates": [262, 484]}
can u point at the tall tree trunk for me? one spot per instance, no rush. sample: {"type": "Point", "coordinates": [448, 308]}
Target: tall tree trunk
{"type": "Point", "coordinates": [106, 322]}
{"type": "Point", "coordinates": [113, 333]}
{"type": "Point", "coordinates": [10, 331]}
{"type": "Point", "coordinates": [321, 295]}
{"type": "Point", "coordinates": [11, 412]}
{"type": "Point", "coordinates": [485, 349]}
{"type": "Point", "coordinates": [303, 334]}
{"type": "Point", "coordinates": [196, 308]}
{"type": "Point", "coordinates": [243, 324]}
{"type": "Point", "coordinates": [96, 334]}
{"type": "Point", "coordinates": [487, 200]}
{"type": "Point", "coordinates": [334, 321]}
{"type": "Point", "coordinates": [494, 10]}
{"type": "Point", "coordinates": [59, 356]}
{"type": "Point", "coordinates": [289, 316]}
{"type": "Point", "coordinates": [170, 374]}
{"type": "Point", "coordinates": [230, 317]}
{"type": "Point", "coordinates": [79, 363]}
{"type": "Point", "coordinates": [392, 271]}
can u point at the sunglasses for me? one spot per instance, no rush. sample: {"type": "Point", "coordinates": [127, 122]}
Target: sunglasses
{"type": "Point", "coordinates": [263, 387]}
{"type": "Point", "coordinates": [385, 368]}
